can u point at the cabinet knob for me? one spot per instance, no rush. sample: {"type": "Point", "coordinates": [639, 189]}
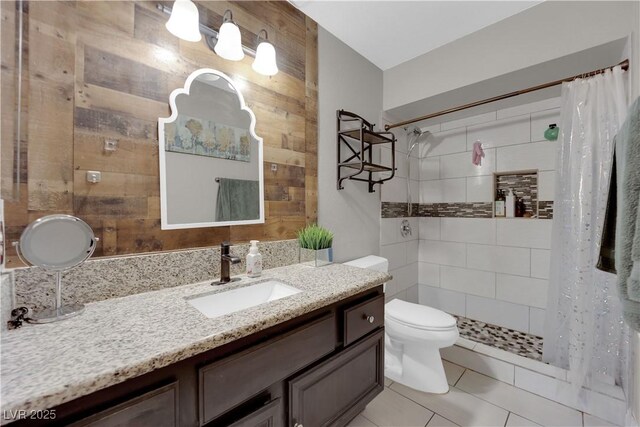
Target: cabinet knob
{"type": "Point", "coordinates": [370, 319]}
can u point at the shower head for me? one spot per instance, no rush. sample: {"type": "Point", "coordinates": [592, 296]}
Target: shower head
{"type": "Point", "coordinates": [414, 130]}
{"type": "Point", "coordinates": [413, 137]}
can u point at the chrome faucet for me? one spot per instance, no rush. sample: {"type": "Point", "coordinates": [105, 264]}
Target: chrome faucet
{"type": "Point", "coordinates": [226, 259]}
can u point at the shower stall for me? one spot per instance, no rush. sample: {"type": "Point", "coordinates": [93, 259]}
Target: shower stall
{"type": "Point", "coordinates": [496, 275]}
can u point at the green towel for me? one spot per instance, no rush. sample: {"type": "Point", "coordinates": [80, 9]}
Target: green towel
{"type": "Point", "coordinates": [627, 252]}
{"type": "Point", "coordinates": [238, 200]}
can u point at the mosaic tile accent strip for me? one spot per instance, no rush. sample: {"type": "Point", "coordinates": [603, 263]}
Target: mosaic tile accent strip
{"type": "Point", "coordinates": [104, 278]}
{"type": "Point", "coordinates": [516, 342]}
{"type": "Point", "coordinates": [398, 210]}
{"type": "Point", "coordinates": [522, 185]}
{"type": "Point", "coordinates": [545, 209]}
{"type": "Point", "coordinates": [457, 210]}
{"type": "Point", "coordinates": [454, 210]}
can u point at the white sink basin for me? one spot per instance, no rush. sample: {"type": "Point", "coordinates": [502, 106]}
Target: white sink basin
{"type": "Point", "coordinates": [221, 303]}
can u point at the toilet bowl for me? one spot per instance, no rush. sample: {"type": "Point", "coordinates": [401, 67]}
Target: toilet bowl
{"type": "Point", "coordinates": [414, 335]}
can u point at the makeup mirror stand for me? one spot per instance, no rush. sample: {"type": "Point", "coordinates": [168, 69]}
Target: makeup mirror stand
{"type": "Point", "coordinates": [30, 254]}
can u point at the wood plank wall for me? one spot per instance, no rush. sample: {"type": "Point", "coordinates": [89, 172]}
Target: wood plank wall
{"type": "Point", "coordinates": [97, 70]}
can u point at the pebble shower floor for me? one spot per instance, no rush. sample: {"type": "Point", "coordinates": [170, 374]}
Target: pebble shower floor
{"type": "Point", "coordinates": [510, 340]}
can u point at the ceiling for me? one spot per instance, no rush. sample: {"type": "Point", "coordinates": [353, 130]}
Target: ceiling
{"type": "Point", "coordinates": [389, 33]}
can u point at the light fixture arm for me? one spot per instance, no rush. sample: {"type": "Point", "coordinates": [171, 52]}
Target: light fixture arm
{"type": "Point", "coordinates": [265, 38]}
{"type": "Point", "coordinates": [228, 17]}
{"type": "Point", "coordinates": [211, 35]}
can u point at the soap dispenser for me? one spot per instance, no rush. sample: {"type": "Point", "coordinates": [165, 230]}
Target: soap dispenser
{"type": "Point", "coordinates": [254, 260]}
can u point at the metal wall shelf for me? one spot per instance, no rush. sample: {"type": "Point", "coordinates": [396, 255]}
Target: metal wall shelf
{"type": "Point", "coordinates": [368, 136]}
{"type": "Point", "coordinates": [368, 167]}
{"type": "Point", "coordinates": [359, 141]}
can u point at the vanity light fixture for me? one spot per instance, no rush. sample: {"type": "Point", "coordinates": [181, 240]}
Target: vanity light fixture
{"type": "Point", "coordinates": [265, 62]}
{"type": "Point", "coordinates": [226, 42]}
{"type": "Point", "coordinates": [184, 21]}
{"type": "Point", "coordinates": [229, 45]}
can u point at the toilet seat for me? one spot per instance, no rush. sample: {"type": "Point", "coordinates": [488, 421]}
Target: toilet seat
{"type": "Point", "coordinates": [419, 316]}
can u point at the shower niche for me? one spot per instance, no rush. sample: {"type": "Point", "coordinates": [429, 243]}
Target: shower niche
{"type": "Point", "coordinates": [523, 184]}
{"type": "Point", "coordinates": [357, 156]}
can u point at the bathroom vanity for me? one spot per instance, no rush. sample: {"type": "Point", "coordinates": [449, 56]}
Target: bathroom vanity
{"type": "Point", "coordinates": [311, 359]}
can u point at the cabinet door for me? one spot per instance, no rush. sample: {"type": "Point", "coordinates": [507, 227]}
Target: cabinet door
{"type": "Point", "coordinates": [231, 381]}
{"type": "Point", "coordinates": [267, 416]}
{"type": "Point", "coordinates": [154, 409]}
{"type": "Point", "coordinates": [338, 389]}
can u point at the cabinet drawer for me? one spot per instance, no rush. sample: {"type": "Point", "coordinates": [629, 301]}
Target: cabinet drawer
{"type": "Point", "coordinates": [363, 318]}
{"type": "Point", "coordinates": [270, 415]}
{"type": "Point", "coordinates": [338, 389]}
{"type": "Point", "coordinates": [231, 381]}
{"type": "Point", "coordinates": [156, 408]}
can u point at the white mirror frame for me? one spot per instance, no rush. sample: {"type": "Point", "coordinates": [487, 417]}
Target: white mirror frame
{"type": "Point", "coordinates": [161, 145]}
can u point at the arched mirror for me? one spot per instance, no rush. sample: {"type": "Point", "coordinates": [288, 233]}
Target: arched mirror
{"type": "Point", "coordinates": [210, 156]}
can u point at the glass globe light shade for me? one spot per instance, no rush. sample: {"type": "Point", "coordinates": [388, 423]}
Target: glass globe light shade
{"type": "Point", "coordinates": [184, 21]}
{"type": "Point", "coordinates": [229, 45]}
{"type": "Point", "coordinates": [265, 62]}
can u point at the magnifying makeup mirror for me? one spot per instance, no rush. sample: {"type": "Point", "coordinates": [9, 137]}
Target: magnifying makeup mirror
{"type": "Point", "coordinates": [56, 243]}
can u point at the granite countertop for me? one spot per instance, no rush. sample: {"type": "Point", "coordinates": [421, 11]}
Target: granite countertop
{"type": "Point", "coordinates": [43, 366]}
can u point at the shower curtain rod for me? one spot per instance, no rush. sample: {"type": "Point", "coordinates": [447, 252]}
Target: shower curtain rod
{"type": "Point", "coordinates": [624, 64]}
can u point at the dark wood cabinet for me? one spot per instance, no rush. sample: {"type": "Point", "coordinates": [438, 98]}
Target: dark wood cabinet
{"type": "Point", "coordinates": [363, 318]}
{"type": "Point", "coordinates": [318, 369]}
{"type": "Point", "coordinates": [270, 415]}
{"type": "Point", "coordinates": [233, 380]}
{"type": "Point", "coordinates": [155, 408]}
{"type": "Point", "coordinates": [335, 391]}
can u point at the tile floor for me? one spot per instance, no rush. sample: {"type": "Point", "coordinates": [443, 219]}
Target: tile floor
{"type": "Point", "coordinates": [473, 400]}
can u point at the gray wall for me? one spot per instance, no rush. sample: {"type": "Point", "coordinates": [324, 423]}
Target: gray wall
{"type": "Point", "coordinates": [542, 33]}
{"type": "Point", "coordinates": [346, 81]}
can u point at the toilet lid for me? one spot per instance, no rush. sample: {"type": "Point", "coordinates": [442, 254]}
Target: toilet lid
{"type": "Point", "coordinates": [419, 316]}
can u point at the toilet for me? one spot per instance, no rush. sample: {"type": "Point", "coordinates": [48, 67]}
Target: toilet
{"type": "Point", "coordinates": [414, 335]}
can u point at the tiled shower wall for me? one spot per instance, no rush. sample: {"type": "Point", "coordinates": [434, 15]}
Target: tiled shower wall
{"type": "Point", "coordinates": [401, 251]}
{"type": "Point", "coordinates": [491, 269]}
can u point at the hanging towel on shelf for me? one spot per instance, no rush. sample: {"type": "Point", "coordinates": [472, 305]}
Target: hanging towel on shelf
{"type": "Point", "coordinates": [627, 241]}
{"type": "Point", "coordinates": [237, 200]}
{"type": "Point", "coordinates": [477, 153]}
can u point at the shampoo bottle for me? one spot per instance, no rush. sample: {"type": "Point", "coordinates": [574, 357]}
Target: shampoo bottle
{"type": "Point", "coordinates": [254, 260]}
{"type": "Point", "coordinates": [520, 207]}
{"type": "Point", "coordinates": [510, 204]}
{"type": "Point", "coordinates": [499, 204]}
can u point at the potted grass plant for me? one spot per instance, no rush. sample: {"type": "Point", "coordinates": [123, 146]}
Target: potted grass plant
{"type": "Point", "coordinates": [315, 245]}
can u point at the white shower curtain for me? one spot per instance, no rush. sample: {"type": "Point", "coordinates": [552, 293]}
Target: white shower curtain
{"type": "Point", "coordinates": [584, 330]}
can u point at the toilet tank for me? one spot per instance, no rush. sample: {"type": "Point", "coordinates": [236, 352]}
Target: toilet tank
{"type": "Point", "coordinates": [372, 262]}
